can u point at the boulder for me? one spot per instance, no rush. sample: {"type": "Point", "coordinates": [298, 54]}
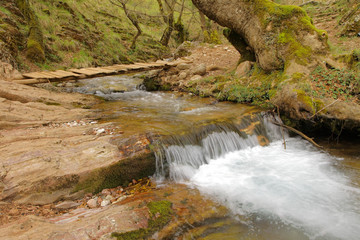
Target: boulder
{"type": "Point", "coordinates": [7, 72]}
{"type": "Point", "coordinates": [199, 70]}
{"type": "Point", "coordinates": [243, 69]}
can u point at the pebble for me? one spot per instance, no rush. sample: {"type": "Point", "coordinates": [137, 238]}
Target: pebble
{"type": "Point", "coordinates": [120, 199]}
{"type": "Point", "coordinates": [109, 197]}
{"type": "Point", "coordinates": [92, 203]}
{"type": "Point", "coordinates": [105, 203]}
{"type": "Point", "coordinates": [13, 212]}
{"type": "Point", "coordinates": [67, 205]}
{"type": "Point", "coordinates": [100, 131]}
{"type": "Point", "coordinates": [105, 192]}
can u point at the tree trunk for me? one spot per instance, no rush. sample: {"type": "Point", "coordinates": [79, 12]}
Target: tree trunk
{"type": "Point", "coordinates": [277, 35]}
{"type": "Point", "coordinates": [168, 17]}
{"type": "Point", "coordinates": [133, 20]}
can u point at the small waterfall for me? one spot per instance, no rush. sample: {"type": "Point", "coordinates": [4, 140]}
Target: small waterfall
{"type": "Point", "coordinates": [178, 157]}
{"type": "Point", "coordinates": [297, 188]}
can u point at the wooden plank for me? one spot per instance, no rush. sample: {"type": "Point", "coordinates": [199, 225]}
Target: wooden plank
{"type": "Point", "coordinates": [99, 70]}
{"type": "Point", "coordinates": [47, 75]}
{"type": "Point", "coordinates": [104, 70]}
{"type": "Point", "coordinates": [120, 67]}
{"type": "Point", "coordinates": [33, 75]}
{"type": "Point", "coordinates": [115, 69]}
{"type": "Point", "coordinates": [134, 67]}
{"type": "Point", "coordinates": [66, 73]}
{"type": "Point", "coordinates": [40, 77]}
{"type": "Point", "coordinates": [84, 71]}
{"type": "Point", "coordinates": [144, 65]}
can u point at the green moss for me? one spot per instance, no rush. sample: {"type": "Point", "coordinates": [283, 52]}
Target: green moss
{"type": "Point", "coordinates": [296, 50]}
{"type": "Point", "coordinates": [160, 214]}
{"type": "Point", "coordinates": [35, 46]}
{"type": "Point", "coordinates": [268, 11]}
{"type": "Point", "coordinates": [34, 51]}
{"type": "Point", "coordinates": [120, 173]}
{"type": "Point", "coordinates": [305, 99]}
{"type": "Point", "coordinates": [212, 37]}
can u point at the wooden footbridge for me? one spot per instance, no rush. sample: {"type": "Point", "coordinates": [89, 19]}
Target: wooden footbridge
{"type": "Point", "coordinates": [74, 74]}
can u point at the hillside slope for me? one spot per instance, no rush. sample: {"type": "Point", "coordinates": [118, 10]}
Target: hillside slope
{"type": "Point", "coordinates": [84, 33]}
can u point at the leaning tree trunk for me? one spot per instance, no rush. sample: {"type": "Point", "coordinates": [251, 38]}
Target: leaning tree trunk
{"type": "Point", "coordinates": [277, 35]}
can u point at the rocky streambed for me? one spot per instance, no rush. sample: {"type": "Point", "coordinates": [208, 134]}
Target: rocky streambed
{"type": "Point", "coordinates": [219, 170]}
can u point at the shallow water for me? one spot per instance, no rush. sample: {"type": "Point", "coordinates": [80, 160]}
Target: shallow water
{"type": "Point", "coordinates": [139, 111]}
{"type": "Point", "coordinates": [274, 193]}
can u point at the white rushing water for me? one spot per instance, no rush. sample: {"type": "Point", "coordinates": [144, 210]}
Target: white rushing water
{"type": "Point", "coordinates": [296, 187]}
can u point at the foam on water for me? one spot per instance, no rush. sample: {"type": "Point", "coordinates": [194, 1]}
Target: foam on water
{"type": "Point", "coordinates": [296, 186]}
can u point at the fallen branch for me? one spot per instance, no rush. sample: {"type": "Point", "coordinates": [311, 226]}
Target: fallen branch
{"type": "Point", "coordinates": [324, 108]}
{"type": "Point", "coordinates": [298, 132]}
{"type": "Point", "coordinates": [282, 130]}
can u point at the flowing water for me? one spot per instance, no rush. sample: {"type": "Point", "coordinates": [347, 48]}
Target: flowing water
{"type": "Point", "coordinates": [273, 193]}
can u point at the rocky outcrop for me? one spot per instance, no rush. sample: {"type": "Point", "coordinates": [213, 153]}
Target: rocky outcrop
{"type": "Point", "coordinates": [56, 152]}
{"type": "Point", "coordinates": [7, 72]}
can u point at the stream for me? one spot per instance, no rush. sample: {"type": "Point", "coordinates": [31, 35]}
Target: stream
{"type": "Point", "coordinates": [273, 193]}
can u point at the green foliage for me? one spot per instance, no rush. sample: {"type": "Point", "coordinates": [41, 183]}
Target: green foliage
{"type": "Point", "coordinates": [257, 89]}
{"type": "Point", "coordinates": [82, 59]}
{"type": "Point", "coordinates": [343, 84]}
{"type": "Point", "coordinates": [212, 37]}
{"type": "Point", "coordinates": [160, 214]}
{"type": "Point", "coordinates": [4, 10]}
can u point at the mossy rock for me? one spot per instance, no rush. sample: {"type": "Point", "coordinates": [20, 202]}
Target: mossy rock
{"type": "Point", "coordinates": [160, 214]}
{"type": "Point", "coordinates": [118, 174]}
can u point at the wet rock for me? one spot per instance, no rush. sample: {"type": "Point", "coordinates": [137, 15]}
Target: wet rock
{"type": "Point", "coordinates": [199, 70]}
{"type": "Point", "coordinates": [91, 203]}
{"type": "Point", "coordinates": [243, 68]}
{"type": "Point", "coordinates": [67, 205]}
